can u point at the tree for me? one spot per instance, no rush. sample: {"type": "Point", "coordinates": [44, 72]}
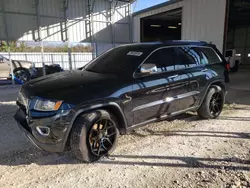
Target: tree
{"type": "Point", "coordinates": [3, 46]}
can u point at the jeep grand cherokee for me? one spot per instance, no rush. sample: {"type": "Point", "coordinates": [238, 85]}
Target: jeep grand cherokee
{"type": "Point", "coordinates": [127, 87]}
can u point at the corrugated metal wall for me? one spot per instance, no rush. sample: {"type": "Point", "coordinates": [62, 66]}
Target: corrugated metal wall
{"type": "Point", "coordinates": [21, 18]}
{"type": "Point", "coordinates": [204, 20]}
{"type": "Point", "coordinates": [137, 18]}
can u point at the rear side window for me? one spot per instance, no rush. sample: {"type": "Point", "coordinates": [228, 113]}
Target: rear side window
{"type": "Point", "coordinates": [163, 59]}
{"type": "Point", "coordinates": [209, 56]}
{"type": "Point", "coordinates": [187, 57]}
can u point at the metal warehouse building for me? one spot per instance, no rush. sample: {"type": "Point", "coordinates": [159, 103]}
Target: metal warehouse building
{"type": "Point", "coordinates": [225, 23]}
{"type": "Point", "coordinates": [108, 23]}
{"type": "Point", "coordinates": [104, 23]}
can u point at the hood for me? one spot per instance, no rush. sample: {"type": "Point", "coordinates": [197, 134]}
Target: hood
{"type": "Point", "coordinates": [68, 85]}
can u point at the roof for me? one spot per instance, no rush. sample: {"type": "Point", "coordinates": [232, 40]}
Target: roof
{"type": "Point", "coordinates": [169, 2]}
{"type": "Point", "coordinates": [150, 46]}
{"type": "Point", "coordinates": [169, 43]}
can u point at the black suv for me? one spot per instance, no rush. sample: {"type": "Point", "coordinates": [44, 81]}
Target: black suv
{"type": "Point", "coordinates": [129, 86]}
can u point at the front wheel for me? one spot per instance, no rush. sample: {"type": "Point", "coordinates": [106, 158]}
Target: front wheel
{"type": "Point", "coordinates": [212, 105]}
{"type": "Point", "coordinates": [94, 135]}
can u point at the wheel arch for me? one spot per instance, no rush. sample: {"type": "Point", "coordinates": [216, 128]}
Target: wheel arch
{"type": "Point", "coordinates": [111, 107]}
{"type": "Point", "coordinates": [215, 85]}
{"type": "Point", "coordinates": [221, 84]}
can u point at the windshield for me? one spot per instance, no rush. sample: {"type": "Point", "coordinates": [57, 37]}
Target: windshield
{"type": "Point", "coordinates": [115, 61]}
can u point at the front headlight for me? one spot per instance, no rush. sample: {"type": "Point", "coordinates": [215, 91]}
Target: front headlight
{"type": "Point", "coordinates": [47, 105]}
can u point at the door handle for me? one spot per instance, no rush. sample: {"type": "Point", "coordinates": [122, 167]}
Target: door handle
{"type": "Point", "coordinates": [172, 77]}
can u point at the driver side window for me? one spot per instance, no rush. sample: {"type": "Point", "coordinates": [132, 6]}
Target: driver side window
{"type": "Point", "coordinates": [163, 59]}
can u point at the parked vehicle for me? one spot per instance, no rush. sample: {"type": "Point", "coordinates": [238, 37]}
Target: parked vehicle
{"type": "Point", "coordinates": [233, 59]}
{"type": "Point", "coordinates": [23, 70]}
{"type": "Point", "coordinates": [50, 69]}
{"type": "Point", "coordinates": [127, 87]}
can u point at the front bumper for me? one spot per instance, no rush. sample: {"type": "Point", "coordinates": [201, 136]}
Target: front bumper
{"type": "Point", "coordinates": [54, 141]}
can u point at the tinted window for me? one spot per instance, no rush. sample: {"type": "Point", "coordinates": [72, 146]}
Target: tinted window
{"type": "Point", "coordinates": [163, 59]}
{"type": "Point", "coordinates": [187, 57]}
{"type": "Point", "coordinates": [120, 60]}
{"type": "Point", "coordinates": [209, 56]}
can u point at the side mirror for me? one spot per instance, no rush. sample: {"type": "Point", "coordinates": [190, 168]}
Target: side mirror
{"type": "Point", "coordinates": [148, 69]}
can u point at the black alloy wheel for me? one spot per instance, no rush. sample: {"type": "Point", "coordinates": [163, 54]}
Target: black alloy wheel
{"type": "Point", "coordinates": [216, 104]}
{"type": "Point", "coordinates": [94, 135]}
{"type": "Point", "coordinates": [102, 137]}
{"type": "Point", "coordinates": [213, 103]}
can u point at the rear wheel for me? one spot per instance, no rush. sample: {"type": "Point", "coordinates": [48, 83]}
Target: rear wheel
{"type": "Point", "coordinates": [212, 105]}
{"type": "Point", "coordinates": [22, 75]}
{"type": "Point", "coordinates": [94, 135]}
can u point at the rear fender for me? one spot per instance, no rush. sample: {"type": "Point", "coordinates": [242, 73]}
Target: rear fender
{"type": "Point", "coordinates": [218, 85]}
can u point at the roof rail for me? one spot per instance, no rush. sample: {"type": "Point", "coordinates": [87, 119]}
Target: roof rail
{"type": "Point", "coordinates": [187, 41]}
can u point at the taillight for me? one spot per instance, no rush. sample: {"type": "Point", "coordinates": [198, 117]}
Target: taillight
{"type": "Point", "coordinates": [228, 67]}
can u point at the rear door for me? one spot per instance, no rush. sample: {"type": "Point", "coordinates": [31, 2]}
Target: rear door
{"type": "Point", "coordinates": [202, 65]}
{"type": "Point", "coordinates": [192, 74]}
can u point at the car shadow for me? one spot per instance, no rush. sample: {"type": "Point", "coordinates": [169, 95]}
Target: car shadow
{"type": "Point", "coordinates": [236, 135]}
{"type": "Point", "coordinates": [183, 162]}
{"type": "Point", "coordinates": [193, 117]}
{"type": "Point", "coordinates": [34, 156]}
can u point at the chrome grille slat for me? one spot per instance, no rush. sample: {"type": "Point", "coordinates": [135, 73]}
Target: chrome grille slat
{"type": "Point", "coordinates": [23, 100]}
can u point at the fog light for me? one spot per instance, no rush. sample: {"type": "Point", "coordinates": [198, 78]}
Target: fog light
{"type": "Point", "coordinates": [44, 131]}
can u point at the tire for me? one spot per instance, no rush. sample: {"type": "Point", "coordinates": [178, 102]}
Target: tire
{"type": "Point", "coordinates": [22, 75]}
{"type": "Point", "coordinates": [206, 109]}
{"type": "Point", "coordinates": [87, 135]}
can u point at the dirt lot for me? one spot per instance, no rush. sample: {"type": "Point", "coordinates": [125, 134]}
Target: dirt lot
{"type": "Point", "coordinates": [186, 152]}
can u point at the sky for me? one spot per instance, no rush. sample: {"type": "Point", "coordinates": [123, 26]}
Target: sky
{"type": "Point", "coordinates": [142, 4]}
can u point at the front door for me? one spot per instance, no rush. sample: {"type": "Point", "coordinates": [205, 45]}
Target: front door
{"type": "Point", "coordinates": [152, 94]}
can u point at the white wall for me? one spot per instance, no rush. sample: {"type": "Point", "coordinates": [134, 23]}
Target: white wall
{"type": "Point", "coordinates": [204, 20]}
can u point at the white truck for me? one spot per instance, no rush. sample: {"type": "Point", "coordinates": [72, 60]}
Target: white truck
{"type": "Point", "coordinates": [234, 59]}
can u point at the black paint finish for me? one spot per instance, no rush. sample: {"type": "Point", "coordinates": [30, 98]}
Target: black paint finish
{"type": "Point", "coordinates": [134, 99]}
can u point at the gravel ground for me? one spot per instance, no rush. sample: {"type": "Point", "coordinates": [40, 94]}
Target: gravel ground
{"type": "Point", "coordinates": [185, 152]}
